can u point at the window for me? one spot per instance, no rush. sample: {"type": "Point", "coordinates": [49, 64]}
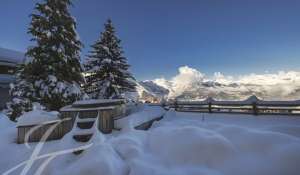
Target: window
{"type": "Point", "coordinates": [6, 69]}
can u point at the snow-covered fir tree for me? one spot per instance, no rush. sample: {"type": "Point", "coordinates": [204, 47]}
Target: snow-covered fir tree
{"type": "Point", "coordinates": [21, 92]}
{"type": "Point", "coordinates": [107, 68]}
{"type": "Point", "coordinates": [53, 76]}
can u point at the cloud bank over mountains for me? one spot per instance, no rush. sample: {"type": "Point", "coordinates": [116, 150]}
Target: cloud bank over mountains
{"type": "Point", "coordinates": [190, 83]}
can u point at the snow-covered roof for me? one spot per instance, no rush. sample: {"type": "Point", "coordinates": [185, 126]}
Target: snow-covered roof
{"type": "Point", "coordinates": [11, 57]}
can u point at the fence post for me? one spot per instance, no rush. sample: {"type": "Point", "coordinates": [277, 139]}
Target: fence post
{"type": "Point", "coordinates": [175, 105]}
{"type": "Point", "coordinates": [254, 108]}
{"type": "Point", "coordinates": [209, 107]}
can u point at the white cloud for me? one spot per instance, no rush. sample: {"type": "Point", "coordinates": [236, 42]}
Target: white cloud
{"type": "Point", "coordinates": [186, 79]}
{"type": "Point", "coordinates": [221, 78]}
{"type": "Point", "coordinates": [281, 85]}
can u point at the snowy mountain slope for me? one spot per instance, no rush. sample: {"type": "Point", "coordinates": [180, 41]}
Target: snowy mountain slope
{"type": "Point", "coordinates": [217, 90]}
{"type": "Point", "coordinates": [148, 90]}
{"type": "Point", "coordinates": [154, 88]}
{"type": "Point", "coordinates": [192, 84]}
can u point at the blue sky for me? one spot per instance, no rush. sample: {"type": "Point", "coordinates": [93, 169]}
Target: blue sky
{"type": "Point", "coordinates": [229, 36]}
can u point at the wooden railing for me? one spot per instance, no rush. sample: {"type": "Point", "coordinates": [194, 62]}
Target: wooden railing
{"type": "Point", "coordinates": [252, 105]}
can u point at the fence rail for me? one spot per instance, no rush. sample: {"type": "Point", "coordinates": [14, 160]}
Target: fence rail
{"type": "Point", "coordinates": [252, 105]}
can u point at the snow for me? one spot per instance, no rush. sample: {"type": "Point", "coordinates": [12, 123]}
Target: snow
{"type": "Point", "coordinates": [147, 89]}
{"type": "Point", "coordinates": [53, 86]}
{"type": "Point", "coordinates": [185, 143]}
{"type": "Point", "coordinates": [37, 117]}
{"type": "Point", "coordinates": [48, 8]}
{"type": "Point", "coordinates": [144, 115]}
{"type": "Point", "coordinates": [5, 123]}
{"type": "Point", "coordinates": [10, 152]}
{"type": "Point", "coordinates": [49, 34]}
{"type": "Point", "coordinates": [99, 159]}
{"type": "Point", "coordinates": [69, 108]}
{"type": "Point", "coordinates": [97, 101]}
{"type": "Point", "coordinates": [52, 78]}
{"type": "Point", "coordinates": [106, 60]}
{"type": "Point", "coordinates": [179, 144]}
{"type": "Point", "coordinates": [131, 96]}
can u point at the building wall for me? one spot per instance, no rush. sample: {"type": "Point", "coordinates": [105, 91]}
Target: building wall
{"type": "Point", "coordinates": [4, 97]}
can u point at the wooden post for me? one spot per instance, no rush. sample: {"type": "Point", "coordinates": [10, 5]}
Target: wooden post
{"type": "Point", "coordinates": [175, 105]}
{"type": "Point", "coordinates": [254, 108]}
{"type": "Point", "coordinates": [209, 107]}
{"type": "Point", "coordinates": [106, 122]}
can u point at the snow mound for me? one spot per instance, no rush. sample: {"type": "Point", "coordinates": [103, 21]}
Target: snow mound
{"type": "Point", "coordinates": [99, 159]}
{"type": "Point", "coordinates": [37, 117]}
{"type": "Point", "coordinates": [130, 145]}
{"type": "Point", "coordinates": [5, 122]}
{"type": "Point", "coordinates": [183, 145]}
{"type": "Point", "coordinates": [190, 145]}
{"type": "Point", "coordinates": [286, 129]}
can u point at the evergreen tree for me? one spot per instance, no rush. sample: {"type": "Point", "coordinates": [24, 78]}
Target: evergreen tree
{"type": "Point", "coordinates": [53, 76]}
{"type": "Point", "coordinates": [21, 93]}
{"type": "Point", "coordinates": [107, 67]}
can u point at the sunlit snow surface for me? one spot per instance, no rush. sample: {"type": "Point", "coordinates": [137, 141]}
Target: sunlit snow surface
{"type": "Point", "coordinates": [180, 144]}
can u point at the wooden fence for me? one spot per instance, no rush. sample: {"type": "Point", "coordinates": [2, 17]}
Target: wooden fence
{"type": "Point", "coordinates": [252, 105]}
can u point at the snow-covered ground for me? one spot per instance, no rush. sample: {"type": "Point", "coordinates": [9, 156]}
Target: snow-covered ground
{"type": "Point", "coordinates": [147, 112]}
{"type": "Point", "coordinates": [180, 144]}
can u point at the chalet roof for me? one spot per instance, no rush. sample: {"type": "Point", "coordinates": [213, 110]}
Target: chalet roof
{"type": "Point", "coordinates": [10, 57]}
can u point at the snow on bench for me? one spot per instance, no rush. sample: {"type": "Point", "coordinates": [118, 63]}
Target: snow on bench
{"type": "Point", "coordinates": [147, 114]}
{"type": "Point", "coordinates": [98, 102]}
{"type": "Point", "coordinates": [36, 117]}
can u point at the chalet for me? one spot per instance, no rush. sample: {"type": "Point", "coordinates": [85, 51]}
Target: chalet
{"type": "Point", "coordinates": [9, 59]}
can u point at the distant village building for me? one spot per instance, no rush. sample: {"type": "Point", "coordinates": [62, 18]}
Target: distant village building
{"type": "Point", "coordinates": [9, 60]}
{"type": "Point", "coordinates": [148, 98]}
{"type": "Point", "coordinates": [91, 88]}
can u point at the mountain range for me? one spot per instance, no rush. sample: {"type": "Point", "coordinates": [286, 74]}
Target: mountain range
{"type": "Point", "coordinates": [191, 84]}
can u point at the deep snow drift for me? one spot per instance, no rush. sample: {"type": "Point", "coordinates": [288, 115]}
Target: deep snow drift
{"type": "Point", "coordinates": [180, 144]}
